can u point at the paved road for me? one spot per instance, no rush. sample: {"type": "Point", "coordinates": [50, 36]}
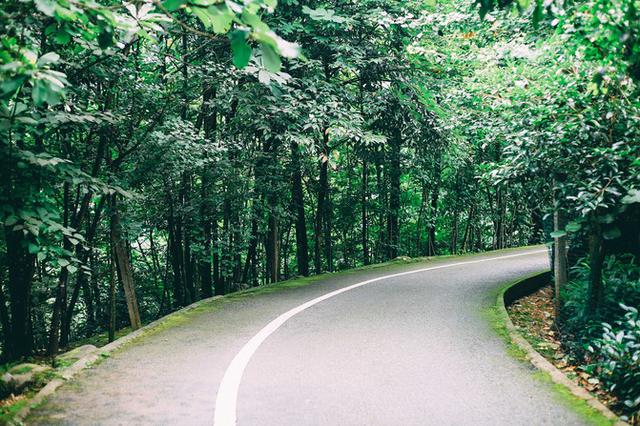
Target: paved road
{"type": "Point", "coordinates": [413, 349]}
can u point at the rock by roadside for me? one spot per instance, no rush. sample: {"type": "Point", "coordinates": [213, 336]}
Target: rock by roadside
{"type": "Point", "coordinates": [20, 377]}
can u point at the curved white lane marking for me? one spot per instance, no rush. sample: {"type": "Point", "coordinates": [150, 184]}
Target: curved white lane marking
{"type": "Point", "coordinates": [226, 401]}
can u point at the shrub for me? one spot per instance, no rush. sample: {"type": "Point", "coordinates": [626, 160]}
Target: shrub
{"type": "Point", "coordinates": [617, 359]}
{"type": "Point", "coordinates": [621, 282]}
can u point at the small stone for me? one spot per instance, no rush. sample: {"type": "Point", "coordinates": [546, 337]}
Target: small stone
{"type": "Point", "coordinates": [19, 377]}
{"type": "Point", "coordinates": [6, 378]}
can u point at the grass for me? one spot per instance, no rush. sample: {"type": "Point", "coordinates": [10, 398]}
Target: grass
{"type": "Point", "coordinates": [497, 317]}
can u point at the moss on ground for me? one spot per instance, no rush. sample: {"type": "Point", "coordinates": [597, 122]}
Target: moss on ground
{"type": "Point", "coordinates": [497, 317]}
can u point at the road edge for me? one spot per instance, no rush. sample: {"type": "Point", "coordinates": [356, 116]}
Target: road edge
{"type": "Point", "coordinates": [520, 288]}
{"type": "Point", "coordinates": [96, 356]}
{"type": "Point", "coordinates": [90, 359]}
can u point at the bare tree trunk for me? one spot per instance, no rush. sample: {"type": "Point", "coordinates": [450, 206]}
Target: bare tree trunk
{"type": "Point", "coordinates": [365, 214]}
{"type": "Point", "coordinates": [21, 269]}
{"type": "Point", "coordinates": [323, 190]}
{"type": "Point", "coordinates": [559, 260]}
{"type": "Point", "coordinates": [435, 194]}
{"type": "Point", "coordinates": [112, 294]}
{"type": "Point", "coordinates": [382, 207]}
{"type": "Point", "coordinates": [393, 223]}
{"type": "Point", "coordinates": [123, 267]}
{"type": "Point", "coordinates": [60, 303]}
{"type": "Point", "coordinates": [302, 245]}
{"type": "Point", "coordinates": [596, 260]}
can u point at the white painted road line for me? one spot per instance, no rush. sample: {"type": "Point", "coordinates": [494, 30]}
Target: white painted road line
{"type": "Point", "coordinates": [227, 398]}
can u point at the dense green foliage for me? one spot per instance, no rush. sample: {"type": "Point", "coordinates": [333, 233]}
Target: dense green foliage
{"type": "Point", "coordinates": [618, 352]}
{"type": "Point", "coordinates": [156, 153]}
{"type": "Point", "coordinates": [567, 98]}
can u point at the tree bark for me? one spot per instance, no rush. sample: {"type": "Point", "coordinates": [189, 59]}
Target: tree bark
{"type": "Point", "coordinates": [60, 303]}
{"type": "Point", "coordinates": [393, 224]}
{"type": "Point", "coordinates": [112, 293]}
{"type": "Point", "coordinates": [559, 260]}
{"type": "Point", "coordinates": [302, 245]}
{"type": "Point", "coordinates": [321, 209]}
{"type": "Point", "coordinates": [596, 260]}
{"type": "Point", "coordinates": [365, 214]}
{"type": "Point", "coordinates": [21, 269]}
{"type": "Point", "coordinates": [123, 267]}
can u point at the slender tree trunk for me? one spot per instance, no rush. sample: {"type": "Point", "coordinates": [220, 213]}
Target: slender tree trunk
{"type": "Point", "coordinates": [302, 245]}
{"type": "Point", "coordinates": [321, 210]}
{"type": "Point", "coordinates": [112, 294]}
{"type": "Point", "coordinates": [210, 118]}
{"type": "Point", "coordinates": [21, 270]}
{"type": "Point", "coordinates": [596, 260]}
{"type": "Point", "coordinates": [175, 250]}
{"type": "Point", "coordinates": [435, 194]}
{"type": "Point", "coordinates": [217, 281]}
{"type": "Point", "coordinates": [393, 224]}
{"type": "Point", "coordinates": [468, 231]}
{"type": "Point", "coordinates": [81, 277]}
{"type": "Point", "coordinates": [60, 304]}
{"type": "Point", "coordinates": [7, 343]}
{"type": "Point", "coordinates": [365, 214]}
{"type": "Point", "coordinates": [123, 267]}
{"type": "Point", "coordinates": [381, 249]}
{"type": "Point", "coordinates": [249, 265]}
{"type": "Point", "coordinates": [559, 260]}
{"type": "Point", "coordinates": [453, 247]}
{"type": "Point", "coordinates": [273, 248]}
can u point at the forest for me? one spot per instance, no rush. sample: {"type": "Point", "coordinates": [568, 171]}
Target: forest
{"type": "Point", "coordinates": [155, 153]}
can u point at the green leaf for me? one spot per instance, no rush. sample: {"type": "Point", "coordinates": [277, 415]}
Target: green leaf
{"type": "Point", "coordinates": [43, 92]}
{"type": "Point", "coordinates": [558, 234]}
{"type": "Point", "coordinates": [63, 262]}
{"type": "Point", "coordinates": [241, 50]}
{"type": "Point", "coordinates": [172, 5]}
{"type": "Point", "coordinates": [48, 7]}
{"type": "Point", "coordinates": [270, 59]}
{"type": "Point", "coordinates": [220, 18]}
{"type": "Point", "coordinates": [10, 85]}
{"type": "Point", "coordinates": [62, 37]}
{"type": "Point", "coordinates": [48, 58]}
{"type": "Point", "coordinates": [71, 269]}
{"type": "Point", "coordinates": [11, 220]}
{"type": "Point", "coordinates": [33, 248]}
{"type": "Point", "coordinates": [632, 197]}
{"type": "Point", "coordinates": [573, 227]}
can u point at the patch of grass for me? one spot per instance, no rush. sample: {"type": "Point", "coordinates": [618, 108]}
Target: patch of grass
{"type": "Point", "coordinates": [497, 317]}
{"type": "Point", "coordinates": [21, 370]}
{"type": "Point", "coordinates": [577, 405]}
{"type": "Point", "coordinates": [100, 339]}
{"type": "Point", "coordinates": [9, 411]}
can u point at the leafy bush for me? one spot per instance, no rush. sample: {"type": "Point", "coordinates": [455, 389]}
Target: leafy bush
{"type": "Point", "coordinates": [617, 359]}
{"type": "Point", "coordinates": [621, 282]}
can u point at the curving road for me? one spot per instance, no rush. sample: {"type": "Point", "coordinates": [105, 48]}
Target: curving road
{"type": "Point", "coordinates": [399, 345]}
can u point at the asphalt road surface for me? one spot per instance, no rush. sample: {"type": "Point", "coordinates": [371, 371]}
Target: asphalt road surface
{"type": "Point", "coordinates": [398, 345]}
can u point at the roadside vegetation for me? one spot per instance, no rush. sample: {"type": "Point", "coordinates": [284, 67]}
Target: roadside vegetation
{"type": "Point", "coordinates": [154, 153]}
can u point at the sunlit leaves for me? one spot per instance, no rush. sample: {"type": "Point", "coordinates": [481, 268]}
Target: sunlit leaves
{"type": "Point", "coordinates": [270, 59]}
{"type": "Point", "coordinates": [322, 14]}
{"type": "Point", "coordinates": [240, 48]}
